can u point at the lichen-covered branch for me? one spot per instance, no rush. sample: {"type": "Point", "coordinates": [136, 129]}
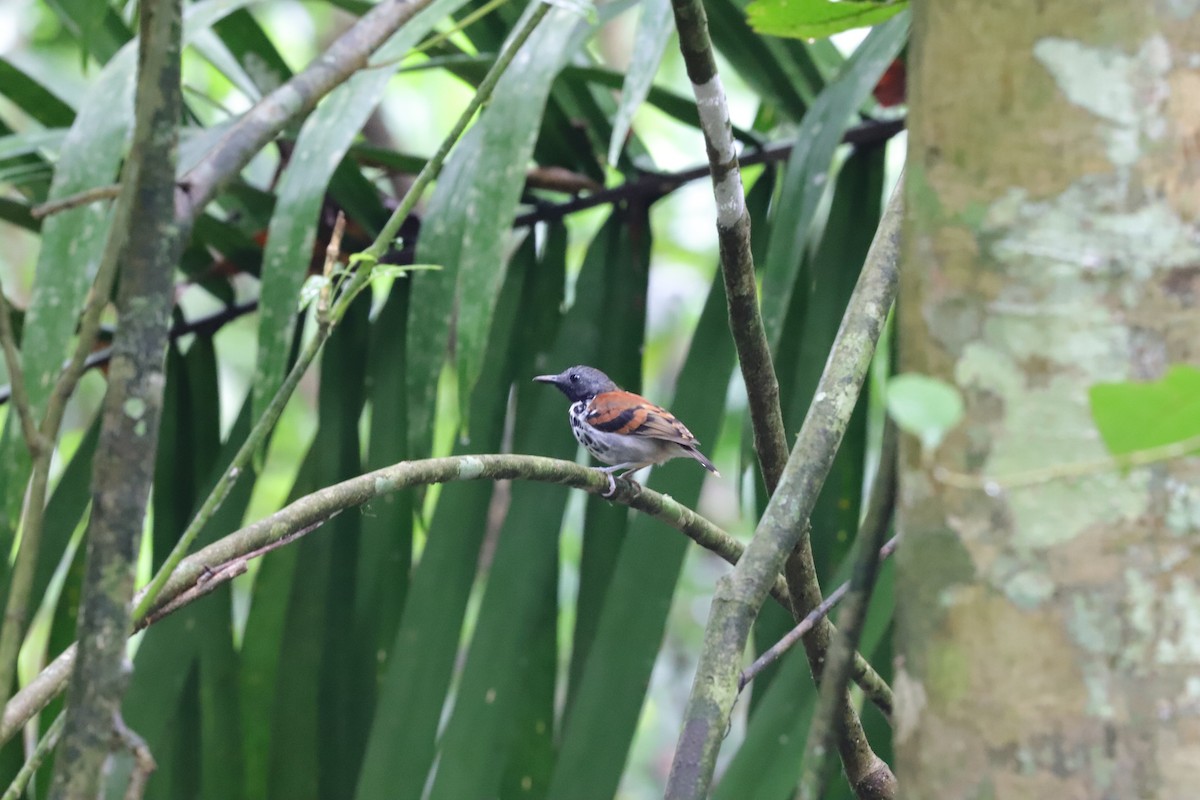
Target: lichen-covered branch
{"type": "Point", "coordinates": [319, 506]}
{"type": "Point", "coordinates": [781, 537]}
{"type": "Point", "coordinates": [124, 461]}
{"type": "Point", "coordinates": [270, 115]}
{"type": "Point", "coordinates": [840, 658]}
{"type": "Point", "coordinates": [776, 651]}
{"type": "Point", "coordinates": [733, 235]}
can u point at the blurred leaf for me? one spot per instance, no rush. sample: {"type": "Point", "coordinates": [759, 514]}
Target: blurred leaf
{"type": "Point", "coordinates": [807, 173]}
{"type": "Point", "coordinates": [809, 333]}
{"type": "Point", "coordinates": [190, 744]}
{"type": "Point", "coordinates": [654, 30]}
{"type": "Point", "coordinates": [385, 557]}
{"type": "Point", "coordinates": [66, 508]}
{"type": "Point", "coordinates": [496, 160]}
{"type": "Point", "coordinates": [101, 33]}
{"type": "Point", "coordinates": [245, 39]}
{"type": "Point", "coordinates": [676, 106]}
{"type": "Point", "coordinates": [818, 19]}
{"type": "Point", "coordinates": [1136, 415]}
{"type": "Point", "coordinates": [924, 406]}
{"type": "Point", "coordinates": [311, 290]}
{"type": "Point", "coordinates": [527, 774]}
{"type": "Point", "coordinates": [315, 746]}
{"type": "Point", "coordinates": [469, 220]}
{"type": "Point", "coordinates": [324, 138]}
{"type": "Point", "coordinates": [19, 144]}
{"type": "Point", "coordinates": [33, 97]}
{"type": "Point", "coordinates": [18, 214]}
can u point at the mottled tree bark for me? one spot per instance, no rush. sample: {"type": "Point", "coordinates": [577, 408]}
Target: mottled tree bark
{"type": "Point", "coordinates": [1048, 632]}
{"type": "Point", "coordinates": [124, 462]}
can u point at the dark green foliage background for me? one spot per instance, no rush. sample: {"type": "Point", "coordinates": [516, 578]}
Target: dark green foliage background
{"type": "Point", "coordinates": [426, 647]}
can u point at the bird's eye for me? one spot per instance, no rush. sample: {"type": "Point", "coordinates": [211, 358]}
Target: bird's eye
{"type": "Point", "coordinates": [574, 377]}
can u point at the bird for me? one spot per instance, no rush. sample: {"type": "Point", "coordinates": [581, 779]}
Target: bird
{"type": "Point", "coordinates": [621, 428]}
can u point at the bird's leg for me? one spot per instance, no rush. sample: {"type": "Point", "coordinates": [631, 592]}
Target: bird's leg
{"type": "Point", "coordinates": [630, 467]}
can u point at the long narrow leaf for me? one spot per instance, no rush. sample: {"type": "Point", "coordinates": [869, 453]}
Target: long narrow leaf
{"type": "Point", "coordinates": [470, 218]}
{"type": "Point", "coordinates": [818, 137]}
{"type": "Point", "coordinates": [400, 748]}
{"type": "Point", "coordinates": [653, 32]}
{"type": "Point", "coordinates": [324, 138]}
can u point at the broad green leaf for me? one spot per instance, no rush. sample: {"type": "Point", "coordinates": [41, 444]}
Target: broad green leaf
{"type": "Point", "coordinates": [167, 671]}
{"type": "Point", "coordinates": [256, 56]}
{"type": "Point", "coordinates": [67, 506]}
{"type": "Point", "coordinates": [323, 141]}
{"type": "Point", "coordinates": [807, 174]}
{"type": "Point", "coordinates": [317, 745]}
{"type": "Point", "coordinates": [1135, 415]}
{"type": "Point", "coordinates": [401, 746]}
{"type": "Point", "coordinates": [924, 406]}
{"type": "Point", "coordinates": [597, 736]}
{"type": "Point", "coordinates": [469, 220]}
{"type": "Point", "coordinates": [674, 105]}
{"type": "Point", "coordinates": [502, 144]}
{"type": "Point", "coordinates": [310, 290]}
{"type": "Point", "coordinates": [527, 773]}
{"type": "Point", "coordinates": [73, 241]}
{"type": "Point", "coordinates": [19, 214]}
{"type": "Point", "coordinates": [818, 19]}
{"type": "Point", "coordinates": [818, 308]}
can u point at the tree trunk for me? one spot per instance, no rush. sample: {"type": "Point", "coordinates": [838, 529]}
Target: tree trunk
{"type": "Point", "coordinates": [1049, 632]}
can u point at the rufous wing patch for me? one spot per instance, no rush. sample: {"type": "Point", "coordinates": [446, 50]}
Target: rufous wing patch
{"type": "Point", "coordinates": [633, 415]}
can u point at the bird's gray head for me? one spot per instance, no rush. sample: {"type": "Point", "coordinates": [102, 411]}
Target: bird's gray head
{"type": "Point", "coordinates": [580, 383]}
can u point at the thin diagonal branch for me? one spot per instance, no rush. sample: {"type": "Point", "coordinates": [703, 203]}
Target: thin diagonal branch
{"type": "Point", "coordinates": [199, 568]}
{"type": "Point", "coordinates": [44, 747]}
{"type": "Point", "coordinates": [825, 723]}
{"type": "Point", "coordinates": [645, 185]}
{"type": "Point", "coordinates": [434, 165]}
{"type": "Point", "coordinates": [733, 234]}
{"type": "Point", "coordinates": [292, 100]}
{"type": "Point", "coordinates": [788, 641]}
{"type": "Point", "coordinates": [782, 533]}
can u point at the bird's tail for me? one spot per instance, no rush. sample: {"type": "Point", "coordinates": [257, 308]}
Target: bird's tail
{"type": "Point", "coordinates": [703, 459]}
